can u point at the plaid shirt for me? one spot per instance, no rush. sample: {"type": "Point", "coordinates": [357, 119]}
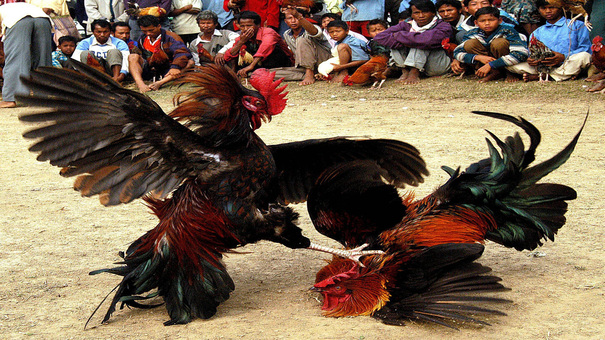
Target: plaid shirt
{"type": "Point", "coordinates": [58, 57]}
{"type": "Point", "coordinates": [518, 46]}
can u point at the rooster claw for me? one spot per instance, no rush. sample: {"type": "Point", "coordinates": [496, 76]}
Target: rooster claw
{"type": "Point", "coordinates": [352, 254]}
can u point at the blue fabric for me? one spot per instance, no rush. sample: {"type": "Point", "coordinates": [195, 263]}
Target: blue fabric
{"type": "Point", "coordinates": [358, 48]}
{"type": "Point", "coordinates": [556, 37]}
{"type": "Point", "coordinates": [405, 4]}
{"type": "Point", "coordinates": [216, 6]}
{"type": "Point", "coordinates": [366, 10]}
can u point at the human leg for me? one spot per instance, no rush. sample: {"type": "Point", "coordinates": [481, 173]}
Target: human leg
{"type": "Point", "coordinates": [344, 57]}
{"type": "Point", "coordinates": [135, 67]}
{"type": "Point", "coordinates": [114, 60]}
{"type": "Point", "coordinates": [17, 49]}
{"type": "Point", "coordinates": [571, 67]}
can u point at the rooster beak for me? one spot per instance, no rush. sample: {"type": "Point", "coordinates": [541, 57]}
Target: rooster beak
{"type": "Point", "coordinates": [315, 289]}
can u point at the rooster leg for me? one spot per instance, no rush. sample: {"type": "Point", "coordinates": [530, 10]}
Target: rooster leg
{"type": "Point", "coordinates": [353, 254]}
{"type": "Point", "coordinates": [586, 22]}
{"type": "Point", "coordinates": [379, 84]}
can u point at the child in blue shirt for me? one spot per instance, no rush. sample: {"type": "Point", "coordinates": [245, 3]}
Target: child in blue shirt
{"type": "Point", "coordinates": [348, 54]}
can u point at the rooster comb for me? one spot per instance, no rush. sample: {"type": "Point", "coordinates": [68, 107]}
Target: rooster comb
{"type": "Point", "coordinates": [262, 80]}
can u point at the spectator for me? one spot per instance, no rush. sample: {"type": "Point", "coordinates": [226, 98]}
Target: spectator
{"type": "Point", "coordinates": [121, 30]}
{"type": "Point", "coordinates": [225, 18]}
{"type": "Point", "coordinates": [136, 32]}
{"type": "Point", "coordinates": [571, 46]}
{"type": "Point", "coordinates": [184, 22]}
{"type": "Point", "coordinates": [471, 6]}
{"type": "Point", "coordinates": [326, 18]}
{"type": "Point", "coordinates": [109, 52]}
{"type": "Point", "coordinates": [308, 43]}
{"type": "Point", "coordinates": [110, 10]}
{"type": "Point", "coordinates": [67, 46]}
{"type": "Point", "coordinates": [268, 10]}
{"type": "Point", "coordinates": [213, 40]}
{"type": "Point", "coordinates": [170, 55]}
{"type": "Point", "coordinates": [450, 11]}
{"type": "Point", "coordinates": [27, 45]}
{"type": "Point", "coordinates": [491, 47]}
{"type": "Point", "coordinates": [348, 54]}
{"type": "Point", "coordinates": [266, 47]}
{"type": "Point", "coordinates": [366, 10]}
{"type": "Point", "coordinates": [416, 46]}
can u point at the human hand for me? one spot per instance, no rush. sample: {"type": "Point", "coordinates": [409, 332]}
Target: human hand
{"type": "Point", "coordinates": [484, 59]}
{"type": "Point", "coordinates": [243, 73]}
{"type": "Point", "coordinates": [457, 67]}
{"type": "Point", "coordinates": [533, 62]}
{"type": "Point", "coordinates": [337, 67]}
{"type": "Point", "coordinates": [555, 60]}
{"type": "Point", "coordinates": [483, 71]}
{"type": "Point", "coordinates": [219, 59]}
{"type": "Point", "coordinates": [246, 35]}
{"type": "Point", "coordinates": [173, 72]}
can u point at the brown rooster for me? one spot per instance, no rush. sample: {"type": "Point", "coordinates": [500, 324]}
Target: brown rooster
{"type": "Point", "coordinates": [211, 181]}
{"type": "Point", "coordinates": [204, 55]}
{"type": "Point", "coordinates": [95, 63]}
{"type": "Point", "coordinates": [598, 60]}
{"type": "Point", "coordinates": [497, 199]}
{"type": "Point", "coordinates": [159, 63]}
{"type": "Point", "coordinates": [135, 11]}
{"type": "Point", "coordinates": [373, 70]}
{"type": "Point", "coordinates": [575, 7]}
{"type": "Point", "coordinates": [538, 51]}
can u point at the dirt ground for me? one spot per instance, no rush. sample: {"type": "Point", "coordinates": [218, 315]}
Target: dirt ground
{"type": "Point", "coordinates": [50, 237]}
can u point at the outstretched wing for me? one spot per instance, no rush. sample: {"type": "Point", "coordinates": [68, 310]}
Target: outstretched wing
{"type": "Point", "coordinates": [119, 143]}
{"type": "Point", "coordinates": [443, 284]}
{"type": "Point", "coordinates": [299, 164]}
{"type": "Point", "coordinates": [352, 204]}
{"type": "Point", "coordinates": [505, 187]}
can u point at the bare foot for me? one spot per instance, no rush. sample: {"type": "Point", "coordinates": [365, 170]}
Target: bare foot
{"type": "Point", "coordinates": [599, 86]}
{"type": "Point", "coordinates": [143, 87]}
{"type": "Point", "coordinates": [7, 105]}
{"type": "Point", "coordinates": [308, 79]}
{"type": "Point", "coordinates": [492, 75]}
{"type": "Point", "coordinates": [511, 78]}
{"type": "Point", "coordinates": [404, 76]}
{"type": "Point", "coordinates": [155, 86]}
{"type": "Point", "coordinates": [413, 77]}
{"type": "Point", "coordinates": [530, 77]}
{"type": "Point", "coordinates": [339, 77]}
{"type": "Point", "coordinates": [596, 77]}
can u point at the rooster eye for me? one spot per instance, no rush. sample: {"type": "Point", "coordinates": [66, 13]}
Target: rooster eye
{"type": "Point", "coordinates": [338, 287]}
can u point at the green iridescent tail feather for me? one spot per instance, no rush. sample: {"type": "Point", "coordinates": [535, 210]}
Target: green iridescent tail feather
{"type": "Point", "coordinates": [505, 186]}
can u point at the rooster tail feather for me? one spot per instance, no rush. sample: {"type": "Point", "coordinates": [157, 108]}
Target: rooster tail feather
{"type": "Point", "coordinates": [443, 284]}
{"type": "Point", "coordinates": [191, 287]}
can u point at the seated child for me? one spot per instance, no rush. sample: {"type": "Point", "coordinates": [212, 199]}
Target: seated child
{"type": "Point", "coordinates": [348, 54]}
{"type": "Point", "coordinates": [416, 45]}
{"type": "Point", "coordinates": [490, 47]}
{"type": "Point", "coordinates": [471, 6]}
{"type": "Point", "coordinates": [67, 45]}
{"type": "Point", "coordinates": [326, 18]}
{"type": "Point", "coordinates": [570, 46]}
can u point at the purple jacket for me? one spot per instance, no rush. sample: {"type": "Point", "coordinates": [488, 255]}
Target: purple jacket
{"type": "Point", "coordinates": [399, 36]}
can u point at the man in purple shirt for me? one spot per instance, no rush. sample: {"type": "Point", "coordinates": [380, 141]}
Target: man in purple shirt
{"type": "Point", "coordinates": [416, 46]}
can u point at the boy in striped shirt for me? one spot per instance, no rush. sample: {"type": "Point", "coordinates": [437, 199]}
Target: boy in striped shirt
{"type": "Point", "coordinates": [491, 47]}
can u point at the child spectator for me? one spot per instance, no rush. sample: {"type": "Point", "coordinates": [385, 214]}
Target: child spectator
{"type": "Point", "coordinates": [67, 45]}
{"type": "Point", "coordinates": [266, 47]}
{"type": "Point", "coordinates": [492, 45]}
{"type": "Point", "coordinates": [416, 45]}
{"type": "Point", "coordinates": [308, 43]}
{"type": "Point", "coordinates": [471, 6]}
{"type": "Point", "coordinates": [121, 30]}
{"type": "Point", "coordinates": [357, 18]}
{"type": "Point", "coordinates": [106, 51]}
{"type": "Point", "coordinates": [348, 54]}
{"type": "Point", "coordinates": [571, 46]}
{"type": "Point", "coordinates": [184, 22]}
{"type": "Point", "coordinates": [213, 40]}
{"type": "Point", "coordinates": [376, 26]}
{"type": "Point", "coordinates": [162, 51]}
{"type": "Point", "coordinates": [326, 18]}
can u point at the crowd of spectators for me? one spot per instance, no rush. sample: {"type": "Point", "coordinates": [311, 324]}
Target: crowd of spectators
{"type": "Point", "coordinates": [151, 42]}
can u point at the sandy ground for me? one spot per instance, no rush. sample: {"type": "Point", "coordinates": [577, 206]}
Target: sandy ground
{"type": "Point", "coordinates": [50, 237]}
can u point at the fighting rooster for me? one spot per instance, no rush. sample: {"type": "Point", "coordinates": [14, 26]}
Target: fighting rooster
{"type": "Point", "coordinates": [211, 181]}
{"type": "Point", "coordinates": [540, 53]}
{"type": "Point", "coordinates": [598, 60]}
{"type": "Point", "coordinates": [575, 7]}
{"type": "Point", "coordinates": [496, 199]}
{"type": "Point", "coordinates": [374, 70]}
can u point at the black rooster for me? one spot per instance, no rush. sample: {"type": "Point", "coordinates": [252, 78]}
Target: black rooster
{"type": "Point", "coordinates": [212, 182]}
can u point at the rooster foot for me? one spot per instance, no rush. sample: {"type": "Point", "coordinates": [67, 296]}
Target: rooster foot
{"type": "Point", "coordinates": [353, 254]}
{"type": "Point", "coordinates": [377, 84]}
{"type": "Point", "coordinates": [352, 8]}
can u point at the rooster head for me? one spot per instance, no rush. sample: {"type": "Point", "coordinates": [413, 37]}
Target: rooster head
{"type": "Point", "coordinates": [597, 44]}
{"type": "Point", "coordinates": [349, 289]}
{"type": "Point", "coordinates": [445, 44]}
{"type": "Point", "coordinates": [533, 41]}
{"type": "Point", "coordinates": [272, 100]}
